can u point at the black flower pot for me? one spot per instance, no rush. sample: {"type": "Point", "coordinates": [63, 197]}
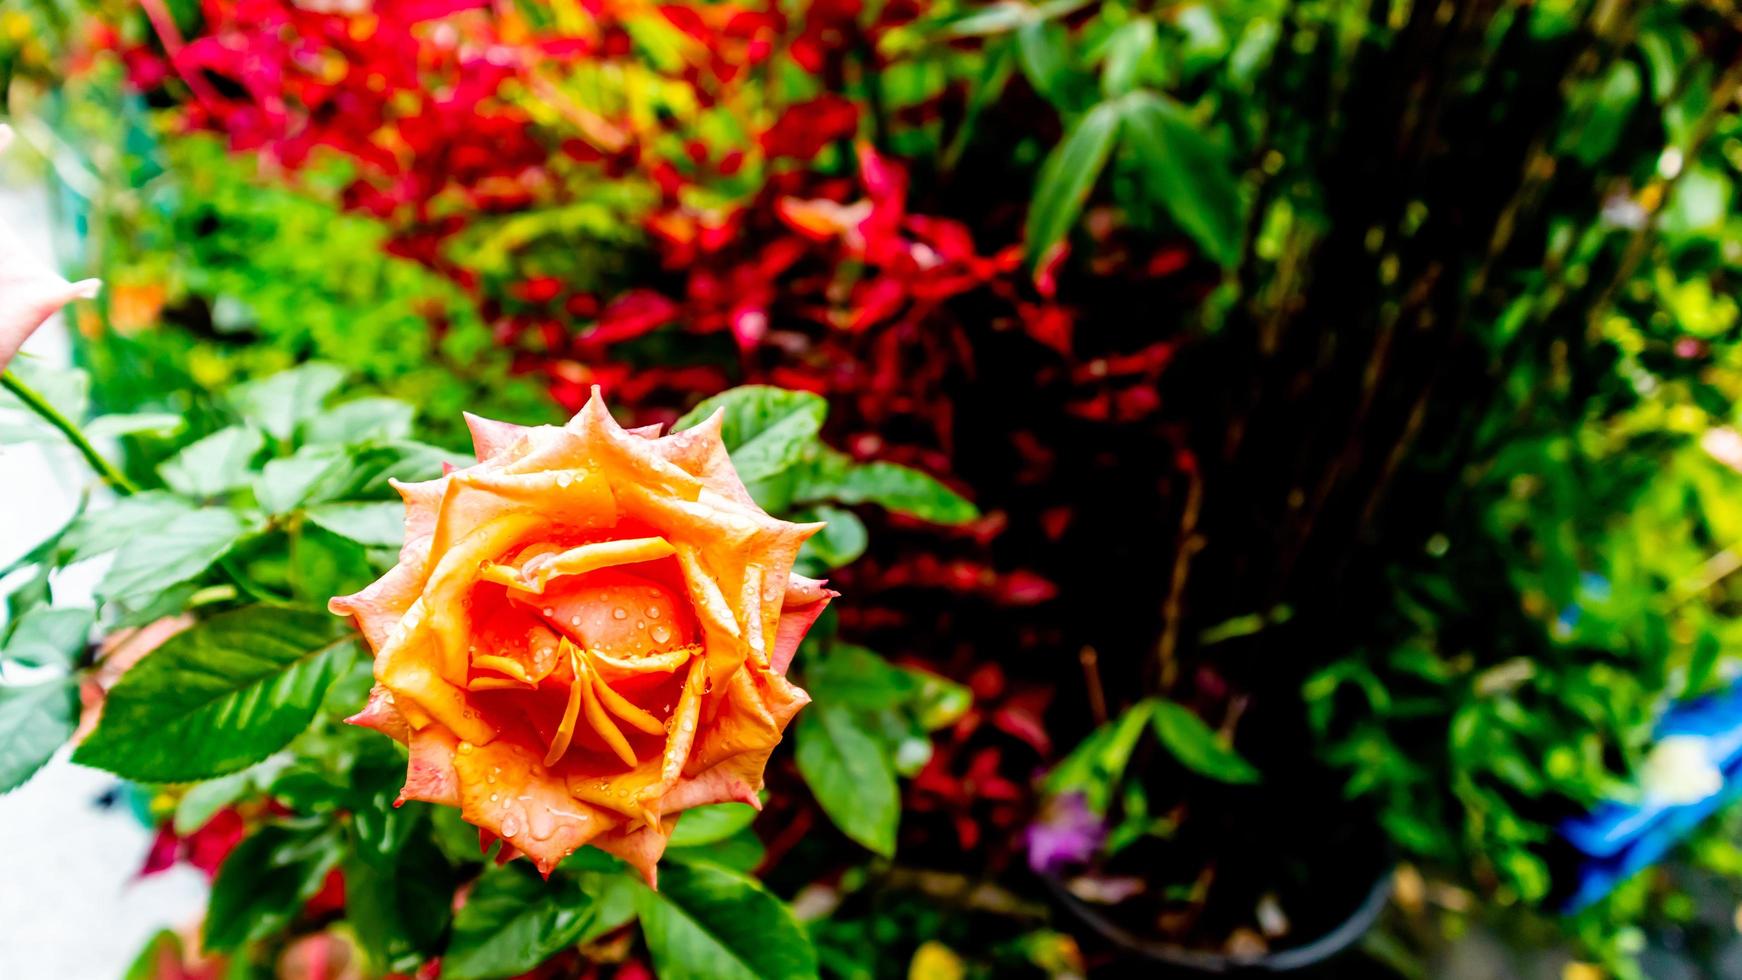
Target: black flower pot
{"type": "Point", "coordinates": [1176, 960]}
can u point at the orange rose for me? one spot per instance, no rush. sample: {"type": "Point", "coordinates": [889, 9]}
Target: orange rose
{"type": "Point", "coordinates": [586, 634]}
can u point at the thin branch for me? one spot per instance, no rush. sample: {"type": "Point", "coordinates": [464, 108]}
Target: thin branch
{"type": "Point", "coordinates": [38, 404]}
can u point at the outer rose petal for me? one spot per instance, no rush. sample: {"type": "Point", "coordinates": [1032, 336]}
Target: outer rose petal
{"type": "Point", "coordinates": [385, 601]}
{"type": "Point", "coordinates": [382, 715]}
{"type": "Point", "coordinates": [503, 788]}
{"type": "Point", "coordinates": [641, 847]}
{"type": "Point", "coordinates": [431, 776]}
{"type": "Point", "coordinates": [804, 603]}
{"type": "Point", "coordinates": [490, 437]}
{"type": "Point", "coordinates": [732, 751]}
{"type": "Point", "coordinates": [30, 292]}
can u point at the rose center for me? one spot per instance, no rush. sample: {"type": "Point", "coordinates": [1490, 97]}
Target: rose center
{"type": "Point", "coordinates": [618, 614]}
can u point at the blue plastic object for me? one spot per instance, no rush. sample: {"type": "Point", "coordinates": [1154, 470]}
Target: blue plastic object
{"type": "Point", "coordinates": [1618, 839]}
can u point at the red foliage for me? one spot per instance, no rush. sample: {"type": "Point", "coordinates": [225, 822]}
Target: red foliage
{"type": "Point", "coordinates": [205, 848]}
{"type": "Point", "coordinates": [801, 253]}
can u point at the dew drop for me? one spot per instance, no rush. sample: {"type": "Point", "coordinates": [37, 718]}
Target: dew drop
{"type": "Point", "coordinates": [660, 634]}
{"type": "Point", "coordinates": [574, 620]}
{"type": "Point", "coordinates": [539, 823]}
{"type": "Point", "coordinates": [465, 748]}
{"type": "Point", "coordinates": [563, 480]}
{"type": "Point", "coordinates": [495, 797]}
{"type": "Point", "coordinates": [652, 612]}
{"type": "Point", "coordinates": [619, 613]}
{"type": "Point", "coordinates": [548, 611]}
{"type": "Point", "coordinates": [510, 827]}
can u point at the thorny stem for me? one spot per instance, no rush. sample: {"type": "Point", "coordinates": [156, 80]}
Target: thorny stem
{"type": "Point", "coordinates": [38, 404]}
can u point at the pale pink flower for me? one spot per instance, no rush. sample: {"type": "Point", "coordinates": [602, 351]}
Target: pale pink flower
{"type": "Point", "coordinates": [30, 291]}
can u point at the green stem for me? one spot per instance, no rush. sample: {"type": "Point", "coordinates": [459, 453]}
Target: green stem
{"type": "Point", "coordinates": [38, 404]}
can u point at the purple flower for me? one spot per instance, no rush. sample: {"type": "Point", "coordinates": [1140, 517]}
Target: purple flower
{"type": "Point", "coordinates": [1068, 833]}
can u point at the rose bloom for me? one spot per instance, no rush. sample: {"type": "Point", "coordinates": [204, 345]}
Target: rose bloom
{"type": "Point", "coordinates": [586, 634]}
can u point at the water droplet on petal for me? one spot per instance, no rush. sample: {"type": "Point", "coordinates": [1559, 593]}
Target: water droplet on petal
{"type": "Point", "coordinates": [564, 479]}
{"type": "Point", "coordinates": [540, 823]}
{"type": "Point", "coordinates": [660, 634]}
{"type": "Point", "coordinates": [465, 748]}
{"type": "Point", "coordinates": [652, 612]}
{"type": "Point", "coordinates": [510, 827]}
{"type": "Point", "coordinates": [548, 611]}
{"type": "Point", "coordinates": [619, 613]}
{"type": "Point", "coordinates": [495, 797]}
{"type": "Point", "coordinates": [574, 620]}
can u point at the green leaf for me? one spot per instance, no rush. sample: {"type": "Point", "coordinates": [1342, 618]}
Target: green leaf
{"type": "Point", "coordinates": [158, 952]}
{"type": "Point", "coordinates": [1097, 763]}
{"type": "Point", "coordinates": [363, 420]}
{"type": "Point", "coordinates": [1185, 172]}
{"type": "Point", "coordinates": [35, 720]}
{"type": "Point", "coordinates": [512, 922]}
{"type": "Point", "coordinates": [1196, 746]}
{"type": "Point", "coordinates": [1127, 49]}
{"type": "Point", "coordinates": [45, 637]}
{"type": "Point", "coordinates": [767, 429]}
{"type": "Point", "coordinates": [993, 18]}
{"type": "Point", "coordinates": [742, 851]}
{"type": "Point", "coordinates": [400, 909]}
{"type": "Point", "coordinates": [202, 801]}
{"type": "Point", "coordinates": [841, 541]}
{"type": "Point", "coordinates": [1005, 16]}
{"type": "Point", "coordinates": [312, 472]}
{"type": "Point", "coordinates": [378, 524]}
{"type": "Point", "coordinates": [939, 701]}
{"type": "Point", "coordinates": [1610, 102]}
{"type": "Point", "coordinates": [833, 476]}
{"type": "Point", "coordinates": [1067, 177]}
{"type": "Point", "coordinates": [158, 556]}
{"type": "Point", "coordinates": [218, 697]}
{"type": "Point", "coordinates": [114, 426]}
{"type": "Point", "coordinates": [709, 923]}
{"type": "Point", "coordinates": [707, 824]}
{"type": "Point", "coordinates": [217, 464]}
{"type": "Point", "coordinates": [615, 897]}
{"type": "Point", "coordinates": [281, 402]}
{"type": "Point", "coordinates": [264, 882]}
{"type": "Point", "coordinates": [853, 676]}
{"type": "Point", "coordinates": [103, 530]}
{"type": "Point", "coordinates": [1043, 50]}
{"type": "Point", "coordinates": [851, 774]}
